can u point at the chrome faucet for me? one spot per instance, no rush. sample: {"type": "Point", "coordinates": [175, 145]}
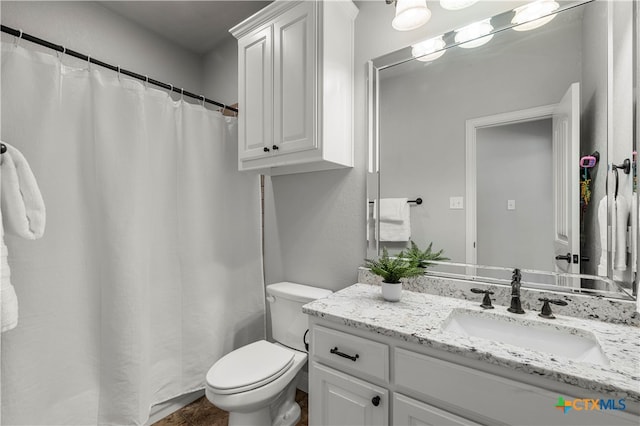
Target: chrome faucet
{"type": "Point", "coordinates": [516, 306]}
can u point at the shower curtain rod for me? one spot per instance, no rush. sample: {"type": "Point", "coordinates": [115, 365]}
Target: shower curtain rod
{"type": "Point", "coordinates": [146, 79]}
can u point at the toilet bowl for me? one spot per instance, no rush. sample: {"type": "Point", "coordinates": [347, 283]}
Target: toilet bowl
{"type": "Point", "coordinates": [251, 403]}
{"type": "Point", "coordinates": [256, 383]}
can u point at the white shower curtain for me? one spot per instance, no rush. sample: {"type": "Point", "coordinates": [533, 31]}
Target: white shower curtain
{"type": "Point", "coordinates": [150, 268]}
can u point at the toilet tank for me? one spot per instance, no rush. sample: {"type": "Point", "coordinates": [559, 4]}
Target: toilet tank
{"type": "Point", "coordinates": [288, 323]}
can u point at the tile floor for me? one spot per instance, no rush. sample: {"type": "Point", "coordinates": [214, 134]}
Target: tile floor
{"type": "Point", "coordinates": [202, 413]}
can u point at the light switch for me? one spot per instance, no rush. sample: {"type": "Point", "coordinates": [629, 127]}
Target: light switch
{"type": "Point", "coordinates": [511, 204]}
{"type": "Point", "coordinates": [456, 203]}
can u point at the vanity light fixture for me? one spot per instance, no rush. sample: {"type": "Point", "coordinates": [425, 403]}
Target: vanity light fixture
{"type": "Point", "coordinates": [410, 14]}
{"type": "Point", "coordinates": [472, 35]}
{"type": "Point", "coordinates": [428, 50]}
{"type": "Point", "coordinates": [456, 4]}
{"type": "Point", "coordinates": [534, 15]}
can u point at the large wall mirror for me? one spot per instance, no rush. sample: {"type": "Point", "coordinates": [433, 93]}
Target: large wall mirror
{"type": "Point", "coordinates": [516, 149]}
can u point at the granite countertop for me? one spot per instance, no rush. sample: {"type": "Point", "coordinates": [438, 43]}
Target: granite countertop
{"type": "Point", "coordinates": [419, 317]}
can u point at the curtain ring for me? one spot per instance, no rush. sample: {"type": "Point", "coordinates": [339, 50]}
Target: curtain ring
{"type": "Point", "coordinates": [181, 94]}
{"type": "Point", "coordinates": [146, 81]}
{"type": "Point", "coordinates": [118, 72]}
{"type": "Point", "coordinates": [203, 98]}
{"type": "Point", "coordinates": [89, 62]}
{"type": "Point", "coordinates": [18, 38]}
{"type": "Point", "coordinates": [171, 90]}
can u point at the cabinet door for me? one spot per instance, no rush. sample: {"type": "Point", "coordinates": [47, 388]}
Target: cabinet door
{"type": "Point", "coordinates": [255, 93]}
{"type": "Point", "coordinates": [407, 411]}
{"type": "Point", "coordinates": [340, 399]}
{"type": "Point", "coordinates": [295, 70]}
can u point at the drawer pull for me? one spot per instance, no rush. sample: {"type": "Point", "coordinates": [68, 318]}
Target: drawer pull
{"type": "Point", "coordinates": [375, 401]}
{"type": "Point", "coordinates": [343, 355]}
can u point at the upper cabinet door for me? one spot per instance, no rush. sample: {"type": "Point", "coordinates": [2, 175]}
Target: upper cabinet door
{"type": "Point", "coordinates": [295, 63]}
{"type": "Point", "coordinates": [255, 65]}
{"type": "Point", "coordinates": [295, 68]}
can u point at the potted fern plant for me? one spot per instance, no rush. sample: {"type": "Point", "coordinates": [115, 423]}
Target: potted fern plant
{"type": "Point", "coordinates": [421, 258]}
{"type": "Point", "coordinates": [392, 271]}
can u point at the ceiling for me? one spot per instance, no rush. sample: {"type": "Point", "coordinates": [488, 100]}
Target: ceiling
{"type": "Point", "coordinates": [197, 26]}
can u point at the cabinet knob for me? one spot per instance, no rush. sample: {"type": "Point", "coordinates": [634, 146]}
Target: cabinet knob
{"type": "Point", "coordinates": [265, 149]}
{"type": "Point", "coordinates": [275, 147]}
{"type": "Point", "coordinates": [375, 401]}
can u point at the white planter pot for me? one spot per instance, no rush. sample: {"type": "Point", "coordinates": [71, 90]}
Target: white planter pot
{"type": "Point", "coordinates": [391, 292]}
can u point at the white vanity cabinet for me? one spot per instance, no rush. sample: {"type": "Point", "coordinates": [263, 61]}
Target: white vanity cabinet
{"type": "Point", "coordinates": [295, 87]}
{"type": "Point", "coordinates": [418, 385]}
{"type": "Point", "coordinates": [344, 400]}
{"type": "Point", "coordinates": [408, 411]}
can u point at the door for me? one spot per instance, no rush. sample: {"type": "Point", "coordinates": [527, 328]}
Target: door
{"type": "Point", "coordinates": [255, 94]}
{"type": "Point", "coordinates": [340, 399]}
{"type": "Point", "coordinates": [566, 184]}
{"type": "Point", "coordinates": [295, 70]}
{"type": "Point", "coordinates": [408, 411]}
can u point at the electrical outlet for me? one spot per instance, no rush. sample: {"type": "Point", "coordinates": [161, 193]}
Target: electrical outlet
{"type": "Point", "coordinates": [511, 204]}
{"type": "Point", "coordinates": [456, 203]}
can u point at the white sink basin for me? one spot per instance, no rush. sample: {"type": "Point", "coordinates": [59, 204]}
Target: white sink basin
{"type": "Point", "coordinates": [566, 342]}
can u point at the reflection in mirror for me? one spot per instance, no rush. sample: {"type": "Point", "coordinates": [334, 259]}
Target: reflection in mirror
{"type": "Point", "coordinates": [512, 146]}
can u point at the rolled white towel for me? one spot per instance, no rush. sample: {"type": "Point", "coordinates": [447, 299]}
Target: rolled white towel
{"type": "Point", "coordinates": [7, 293]}
{"type": "Point", "coordinates": [22, 213]}
{"type": "Point", "coordinates": [23, 210]}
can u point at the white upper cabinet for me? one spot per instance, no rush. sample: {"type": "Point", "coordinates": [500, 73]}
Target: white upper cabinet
{"type": "Point", "coordinates": [295, 87]}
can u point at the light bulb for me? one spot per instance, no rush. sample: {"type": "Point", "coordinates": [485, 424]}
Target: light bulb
{"type": "Point", "coordinates": [472, 35]}
{"type": "Point", "coordinates": [534, 15]}
{"type": "Point", "coordinates": [456, 4]}
{"type": "Point", "coordinates": [410, 14]}
{"type": "Point", "coordinates": [428, 50]}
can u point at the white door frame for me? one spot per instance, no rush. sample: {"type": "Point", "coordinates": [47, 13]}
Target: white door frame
{"type": "Point", "coordinates": [472, 126]}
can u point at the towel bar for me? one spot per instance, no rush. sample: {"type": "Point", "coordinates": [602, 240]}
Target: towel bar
{"type": "Point", "coordinates": [418, 201]}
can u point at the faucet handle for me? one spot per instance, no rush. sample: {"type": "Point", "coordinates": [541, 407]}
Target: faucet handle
{"type": "Point", "coordinates": [486, 300]}
{"type": "Point", "coordinates": [546, 309]}
{"type": "Point", "coordinates": [517, 275]}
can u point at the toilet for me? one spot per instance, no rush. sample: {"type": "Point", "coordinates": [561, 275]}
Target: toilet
{"type": "Point", "coordinates": [256, 383]}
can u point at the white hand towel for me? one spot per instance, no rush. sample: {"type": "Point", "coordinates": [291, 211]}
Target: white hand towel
{"type": "Point", "coordinates": [619, 231]}
{"type": "Point", "coordinates": [602, 225]}
{"type": "Point", "coordinates": [633, 247]}
{"type": "Point", "coordinates": [393, 209]}
{"type": "Point", "coordinates": [23, 208]}
{"type": "Point", "coordinates": [396, 230]}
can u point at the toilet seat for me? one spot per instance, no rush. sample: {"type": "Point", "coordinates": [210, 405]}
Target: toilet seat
{"type": "Point", "coordinates": [249, 367]}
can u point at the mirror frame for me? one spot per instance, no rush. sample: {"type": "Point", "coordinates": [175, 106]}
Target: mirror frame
{"type": "Point", "coordinates": [500, 22]}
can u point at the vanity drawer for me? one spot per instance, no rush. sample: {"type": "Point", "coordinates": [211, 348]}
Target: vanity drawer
{"type": "Point", "coordinates": [488, 398]}
{"type": "Point", "coordinates": [351, 353]}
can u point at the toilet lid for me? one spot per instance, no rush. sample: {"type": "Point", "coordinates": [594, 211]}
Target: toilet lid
{"type": "Point", "coordinates": [249, 367]}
